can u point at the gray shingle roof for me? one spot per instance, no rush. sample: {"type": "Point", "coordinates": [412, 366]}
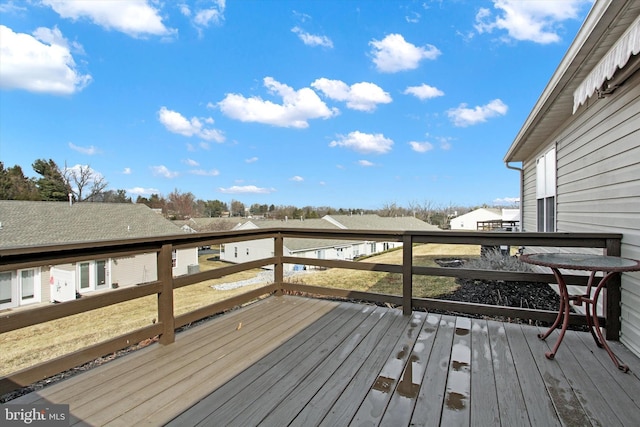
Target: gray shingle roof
{"type": "Point", "coordinates": [375, 222]}
{"type": "Point", "coordinates": [46, 223]}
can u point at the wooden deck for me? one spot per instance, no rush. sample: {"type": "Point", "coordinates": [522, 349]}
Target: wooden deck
{"type": "Point", "coordinates": [303, 362]}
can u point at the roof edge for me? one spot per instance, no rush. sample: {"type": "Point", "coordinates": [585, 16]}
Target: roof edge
{"type": "Point", "coordinates": [549, 94]}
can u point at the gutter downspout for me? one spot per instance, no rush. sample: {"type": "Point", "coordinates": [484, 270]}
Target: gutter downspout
{"type": "Point", "coordinates": [521, 192]}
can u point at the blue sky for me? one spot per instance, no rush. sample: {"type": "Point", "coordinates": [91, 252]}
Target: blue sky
{"type": "Point", "coordinates": [322, 103]}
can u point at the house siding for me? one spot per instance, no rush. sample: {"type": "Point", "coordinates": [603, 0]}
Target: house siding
{"type": "Point", "coordinates": [134, 270]}
{"type": "Point", "coordinates": [598, 184]}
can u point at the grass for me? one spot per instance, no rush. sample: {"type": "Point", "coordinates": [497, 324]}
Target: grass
{"type": "Point", "coordinates": [28, 346]}
{"type": "Point", "coordinates": [391, 283]}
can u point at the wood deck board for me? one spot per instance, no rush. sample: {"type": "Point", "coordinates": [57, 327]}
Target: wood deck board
{"type": "Point", "coordinates": [614, 406]}
{"type": "Point", "coordinates": [539, 408]}
{"type": "Point", "coordinates": [375, 403]}
{"type": "Point", "coordinates": [352, 350]}
{"type": "Point", "coordinates": [511, 404]}
{"type": "Point", "coordinates": [250, 385]}
{"type": "Point", "coordinates": [353, 377]}
{"type": "Point", "coordinates": [270, 389]}
{"type": "Point", "coordinates": [303, 362]}
{"type": "Point", "coordinates": [564, 398]}
{"type": "Point", "coordinates": [430, 400]}
{"type": "Point", "coordinates": [484, 397]}
{"type": "Point", "coordinates": [161, 374]}
{"type": "Point", "coordinates": [358, 386]}
{"type": "Point", "coordinates": [219, 366]}
{"type": "Point", "coordinates": [183, 359]}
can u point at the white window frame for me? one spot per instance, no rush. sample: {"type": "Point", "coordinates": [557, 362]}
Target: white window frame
{"type": "Point", "coordinates": [93, 275]}
{"type": "Point", "coordinates": [546, 183]}
{"type": "Point", "coordinates": [16, 283]}
{"type": "Point", "coordinates": [13, 290]}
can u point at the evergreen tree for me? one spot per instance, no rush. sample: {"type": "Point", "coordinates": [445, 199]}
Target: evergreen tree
{"type": "Point", "coordinates": [15, 186]}
{"type": "Point", "coordinates": [52, 186]}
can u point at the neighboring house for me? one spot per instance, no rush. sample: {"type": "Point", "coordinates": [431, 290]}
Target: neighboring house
{"type": "Point", "coordinates": [25, 223]}
{"type": "Point", "coordinates": [195, 225]}
{"type": "Point", "coordinates": [580, 146]}
{"type": "Point", "coordinates": [238, 252]}
{"type": "Point", "coordinates": [470, 220]}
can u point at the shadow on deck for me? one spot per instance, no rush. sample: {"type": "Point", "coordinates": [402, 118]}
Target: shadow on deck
{"type": "Point", "coordinates": [300, 361]}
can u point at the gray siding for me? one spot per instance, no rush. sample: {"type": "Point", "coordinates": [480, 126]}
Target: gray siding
{"type": "Point", "coordinates": [598, 184]}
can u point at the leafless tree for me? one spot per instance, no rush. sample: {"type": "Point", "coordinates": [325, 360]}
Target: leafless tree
{"type": "Point", "coordinates": [85, 183]}
{"type": "Point", "coordinates": [182, 205]}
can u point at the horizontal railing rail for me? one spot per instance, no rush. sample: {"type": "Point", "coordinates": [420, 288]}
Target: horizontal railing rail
{"type": "Point", "coordinates": [165, 285]}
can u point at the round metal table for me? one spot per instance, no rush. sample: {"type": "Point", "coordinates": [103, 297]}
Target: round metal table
{"type": "Point", "coordinates": [609, 265]}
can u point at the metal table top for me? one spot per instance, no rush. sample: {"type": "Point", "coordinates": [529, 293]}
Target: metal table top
{"type": "Point", "coordinates": [587, 262]}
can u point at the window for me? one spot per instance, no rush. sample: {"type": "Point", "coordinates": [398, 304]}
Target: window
{"type": "Point", "coordinates": [27, 285]}
{"type": "Point", "coordinates": [174, 259]}
{"type": "Point", "coordinates": [546, 191]}
{"type": "Point", "coordinates": [92, 275]}
{"type": "Point", "coordinates": [19, 287]}
{"type": "Point", "coordinates": [6, 288]}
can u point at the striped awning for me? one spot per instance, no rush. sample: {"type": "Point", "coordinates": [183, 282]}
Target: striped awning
{"type": "Point", "coordinates": [626, 46]}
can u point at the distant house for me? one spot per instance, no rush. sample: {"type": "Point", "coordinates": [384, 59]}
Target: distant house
{"type": "Point", "coordinates": [334, 249]}
{"type": "Point", "coordinates": [49, 223]}
{"type": "Point", "coordinates": [580, 146]}
{"type": "Point", "coordinates": [472, 220]}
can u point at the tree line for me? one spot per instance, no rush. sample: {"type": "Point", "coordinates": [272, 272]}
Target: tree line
{"type": "Point", "coordinates": [83, 184]}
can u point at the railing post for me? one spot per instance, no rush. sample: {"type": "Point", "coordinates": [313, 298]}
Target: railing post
{"type": "Point", "coordinates": [165, 297]}
{"type": "Point", "coordinates": [613, 295]}
{"type": "Point", "coordinates": [278, 251]}
{"type": "Point", "coordinates": [407, 276]}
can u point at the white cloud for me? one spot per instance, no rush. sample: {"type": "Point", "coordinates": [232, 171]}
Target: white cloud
{"type": "Point", "coordinates": [201, 172]}
{"type": "Point", "coordinates": [134, 18]}
{"type": "Point", "coordinates": [191, 162]}
{"type": "Point", "coordinates": [215, 14]}
{"type": "Point", "coordinates": [413, 17]}
{"type": "Point", "coordinates": [393, 54]}
{"type": "Point", "coordinates": [251, 160]}
{"type": "Point", "coordinates": [463, 116]}
{"type": "Point", "coordinates": [424, 91]}
{"type": "Point", "coordinates": [177, 123]}
{"type": "Point", "coordinates": [91, 150]}
{"type": "Point", "coordinates": [143, 191]}
{"type": "Point", "coordinates": [298, 106]}
{"type": "Point", "coordinates": [312, 40]}
{"type": "Point", "coordinates": [237, 189]}
{"type": "Point", "coordinates": [365, 163]}
{"type": "Point", "coordinates": [296, 178]}
{"type": "Point", "coordinates": [533, 20]}
{"type": "Point", "coordinates": [364, 142]}
{"type": "Point", "coordinates": [126, 171]}
{"type": "Point", "coordinates": [362, 96]}
{"type": "Point", "coordinates": [41, 63]}
{"type": "Point", "coordinates": [163, 171]}
{"type": "Point", "coordinates": [79, 169]}
{"type": "Point", "coordinates": [421, 147]}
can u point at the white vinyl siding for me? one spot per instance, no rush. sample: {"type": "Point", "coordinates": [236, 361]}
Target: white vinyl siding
{"type": "Point", "coordinates": [598, 184]}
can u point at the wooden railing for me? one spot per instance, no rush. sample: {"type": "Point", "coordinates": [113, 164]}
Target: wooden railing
{"type": "Point", "coordinates": [168, 322]}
